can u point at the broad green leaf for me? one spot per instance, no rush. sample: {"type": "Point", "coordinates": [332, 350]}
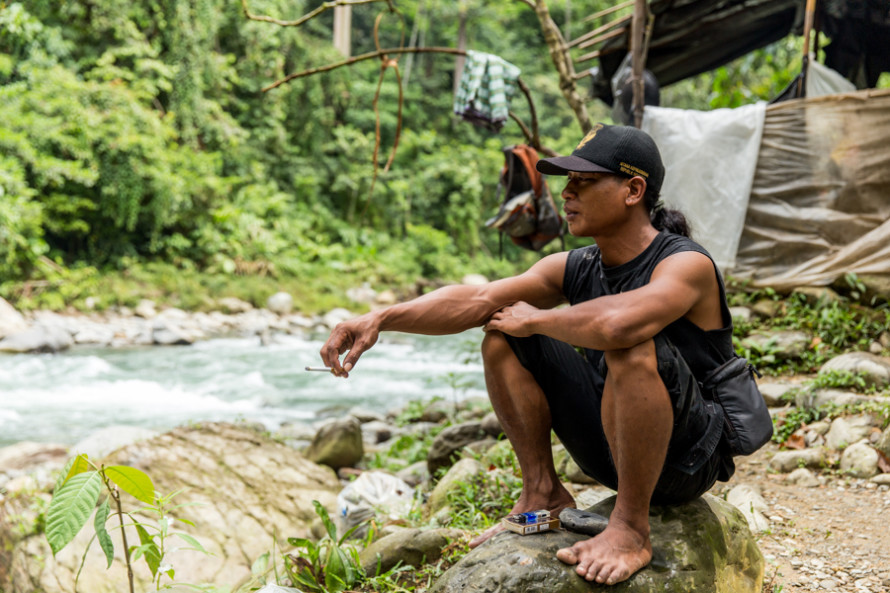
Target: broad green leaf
{"type": "Point", "coordinates": [132, 481]}
{"type": "Point", "coordinates": [70, 508]}
{"type": "Point", "coordinates": [63, 475]}
{"type": "Point", "coordinates": [195, 544]}
{"type": "Point", "coordinates": [99, 525]}
{"type": "Point", "coordinates": [338, 571]}
{"type": "Point", "coordinates": [326, 519]}
{"type": "Point", "coordinates": [149, 549]}
{"type": "Point", "coordinates": [260, 565]}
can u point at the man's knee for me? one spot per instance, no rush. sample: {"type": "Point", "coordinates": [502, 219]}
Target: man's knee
{"type": "Point", "coordinates": [636, 359]}
{"type": "Point", "coordinates": [495, 347]}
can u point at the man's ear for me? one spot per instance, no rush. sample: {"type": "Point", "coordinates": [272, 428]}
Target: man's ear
{"type": "Point", "coordinates": [637, 189]}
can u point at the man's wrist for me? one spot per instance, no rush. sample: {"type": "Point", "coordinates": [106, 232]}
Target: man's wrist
{"type": "Point", "coordinates": [534, 323]}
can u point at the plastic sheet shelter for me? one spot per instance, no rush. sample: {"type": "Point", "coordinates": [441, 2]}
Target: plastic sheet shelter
{"type": "Point", "coordinates": [694, 36]}
{"type": "Point", "coordinates": [819, 206]}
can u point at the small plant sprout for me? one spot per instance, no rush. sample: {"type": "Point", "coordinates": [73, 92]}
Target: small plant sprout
{"type": "Point", "coordinates": [76, 493]}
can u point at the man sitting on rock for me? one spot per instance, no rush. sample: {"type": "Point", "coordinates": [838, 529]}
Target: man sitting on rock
{"type": "Point", "coordinates": [648, 307]}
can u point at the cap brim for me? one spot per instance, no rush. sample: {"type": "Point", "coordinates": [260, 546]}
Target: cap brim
{"type": "Point", "coordinates": [561, 165]}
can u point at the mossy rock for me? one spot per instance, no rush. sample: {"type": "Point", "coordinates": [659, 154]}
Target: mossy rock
{"type": "Point", "coordinates": [703, 546]}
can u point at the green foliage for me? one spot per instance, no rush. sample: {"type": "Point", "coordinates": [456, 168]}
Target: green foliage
{"type": "Point", "coordinates": [757, 76]}
{"type": "Point", "coordinates": [484, 501]}
{"type": "Point", "coordinates": [139, 133]}
{"type": "Point", "coordinates": [325, 566]}
{"type": "Point", "coordinates": [75, 495]}
{"type": "Point", "coordinates": [837, 326]}
{"type": "Point", "coordinates": [784, 425]}
{"type": "Point", "coordinates": [836, 379]}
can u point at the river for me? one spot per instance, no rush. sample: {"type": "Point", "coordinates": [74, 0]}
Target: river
{"type": "Point", "coordinates": [62, 398]}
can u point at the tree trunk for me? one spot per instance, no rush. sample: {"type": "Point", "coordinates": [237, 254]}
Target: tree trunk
{"type": "Point", "coordinates": [559, 53]}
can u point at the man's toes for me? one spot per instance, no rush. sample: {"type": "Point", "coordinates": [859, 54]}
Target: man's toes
{"type": "Point", "coordinates": [486, 535]}
{"type": "Point", "coordinates": [567, 555]}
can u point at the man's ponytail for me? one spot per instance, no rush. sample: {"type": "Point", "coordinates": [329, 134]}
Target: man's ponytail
{"type": "Point", "coordinates": [666, 219]}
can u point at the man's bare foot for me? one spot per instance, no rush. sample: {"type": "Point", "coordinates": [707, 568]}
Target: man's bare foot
{"type": "Point", "coordinates": [612, 556]}
{"type": "Point", "coordinates": [554, 502]}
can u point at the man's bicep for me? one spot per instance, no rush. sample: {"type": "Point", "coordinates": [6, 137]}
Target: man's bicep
{"type": "Point", "coordinates": [679, 282]}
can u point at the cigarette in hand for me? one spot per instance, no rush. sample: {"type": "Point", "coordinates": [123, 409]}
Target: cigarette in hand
{"type": "Point", "coordinates": [319, 369]}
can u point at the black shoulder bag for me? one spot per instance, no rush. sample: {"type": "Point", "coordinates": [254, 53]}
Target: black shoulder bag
{"type": "Point", "coordinates": [748, 425]}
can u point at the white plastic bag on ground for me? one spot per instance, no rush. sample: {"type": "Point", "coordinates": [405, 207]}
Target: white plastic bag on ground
{"type": "Point", "coordinates": [373, 495]}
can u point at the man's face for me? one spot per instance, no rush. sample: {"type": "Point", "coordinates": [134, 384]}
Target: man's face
{"type": "Point", "coordinates": [594, 202]}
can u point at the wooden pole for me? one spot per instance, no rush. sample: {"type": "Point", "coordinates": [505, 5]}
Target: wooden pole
{"type": "Point", "coordinates": [343, 29]}
{"type": "Point", "coordinates": [805, 62]}
{"type": "Point", "coordinates": [636, 49]}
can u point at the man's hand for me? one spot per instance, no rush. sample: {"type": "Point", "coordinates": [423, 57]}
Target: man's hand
{"type": "Point", "coordinates": [355, 336]}
{"type": "Point", "coordinates": [513, 320]}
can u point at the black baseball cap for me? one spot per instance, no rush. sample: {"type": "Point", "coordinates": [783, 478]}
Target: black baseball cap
{"type": "Point", "coordinates": [622, 150]}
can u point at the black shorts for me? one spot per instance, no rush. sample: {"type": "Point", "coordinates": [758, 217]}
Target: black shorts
{"type": "Point", "coordinates": [696, 458]}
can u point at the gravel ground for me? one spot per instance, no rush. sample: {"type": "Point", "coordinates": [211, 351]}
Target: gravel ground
{"type": "Point", "coordinates": [831, 537]}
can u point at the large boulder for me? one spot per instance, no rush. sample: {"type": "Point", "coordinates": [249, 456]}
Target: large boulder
{"type": "Point", "coordinates": [703, 546]}
{"type": "Point", "coordinates": [874, 369]}
{"type": "Point", "coordinates": [463, 472]}
{"type": "Point", "coordinates": [789, 344]}
{"type": "Point", "coordinates": [447, 445]}
{"type": "Point", "coordinates": [243, 492]}
{"type": "Point", "coordinates": [38, 338]}
{"type": "Point", "coordinates": [337, 443]}
{"type": "Point", "coordinates": [411, 547]}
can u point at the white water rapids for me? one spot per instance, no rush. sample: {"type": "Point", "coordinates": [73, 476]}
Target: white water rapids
{"type": "Point", "coordinates": [62, 398]}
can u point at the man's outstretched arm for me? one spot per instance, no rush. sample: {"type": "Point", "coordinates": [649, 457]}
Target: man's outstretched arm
{"type": "Point", "coordinates": [448, 310]}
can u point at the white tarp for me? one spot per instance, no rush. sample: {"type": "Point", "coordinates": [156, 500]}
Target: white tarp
{"type": "Point", "coordinates": [710, 158]}
{"type": "Point", "coordinates": [822, 80]}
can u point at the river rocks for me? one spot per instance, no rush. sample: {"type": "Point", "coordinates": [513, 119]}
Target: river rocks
{"type": "Point", "coordinates": [165, 333]}
{"type": "Point", "coordinates": [335, 316]}
{"type": "Point", "coordinates": [280, 303]}
{"type": "Point", "coordinates": [816, 295]}
{"type": "Point", "coordinates": [741, 314]}
{"type": "Point", "coordinates": [786, 461]}
{"type": "Point", "coordinates": [883, 443]}
{"type": "Point", "coordinates": [338, 443]}
{"type": "Point", "coordinates": [766, 308]}
{"type": "Point", "coordinates": [773, 392]}
{"type": "Point", "coordinates": [233, 305]}
{"type": "Point", "coordinates": [11, 321]}
{"type": "Point", "coordinates": [780, 344]}
{"type": "Point", "coordinates": [491, 425]}
{"type": "Point", "coordinates": [464, 471]}
{"type": "Point", "coordinates": [874, 369]}
{"type": "Point", "coordinates": [243, 492]}
{"type": "Point", "coordinates": [450, 441]}
{"type": "Point", "coordinates": [845, 431]}
{"type": "Point", "coordinates": [364, 294]}
{"type": "Point", "coordinates": [145, 309]}
{"type": "Point", "coordinates": [701, 546]}
{"type": "Point", "coordinates": [38, 338]}
{"type": "Point", "coordinates": [749, 500]}
{"type": "Point", "coordinates": [411, 547]}
{"type": "Point", "coordinates": [860, 461]}
{"type": "Point", "coordinates": [46, 331]}
{"type": "Point", "coordinates": [804, 478]}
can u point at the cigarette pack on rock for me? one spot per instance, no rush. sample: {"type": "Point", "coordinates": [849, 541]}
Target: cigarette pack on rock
{"type": "Point", "coordinates": [528, 523]}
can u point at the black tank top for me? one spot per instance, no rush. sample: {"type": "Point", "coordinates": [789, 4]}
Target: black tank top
{"type": "Point", "coordinates": [587, 278]}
